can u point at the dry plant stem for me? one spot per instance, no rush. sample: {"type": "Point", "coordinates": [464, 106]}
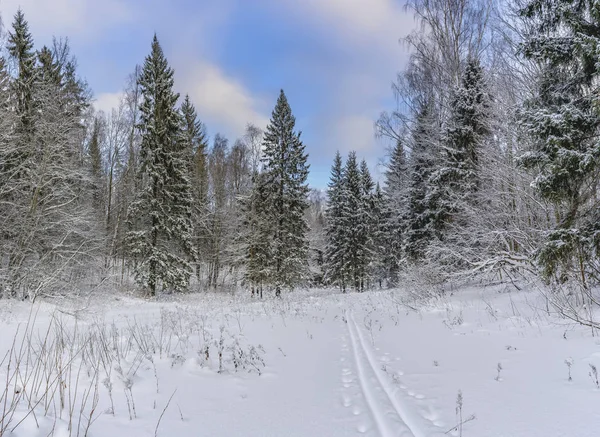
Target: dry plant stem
{"type": "Point", "coordinates": [459, 426]}
{"type": "Point", "coordinates": [163, 413]}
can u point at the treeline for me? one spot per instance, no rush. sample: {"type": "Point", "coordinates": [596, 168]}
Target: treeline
{"type": "Point", "coordinates": [495, 168]}
{"type": "Point", "coordinates": [493, 172]}
{"type": "Point", "coordinates": [88, 198]}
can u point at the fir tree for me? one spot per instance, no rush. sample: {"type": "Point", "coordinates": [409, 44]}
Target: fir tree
{"type": "Point", "coordinates": [286, 191]}
{"type": "Point", "coordinates": [160, 217]}
{"type": "Point", "coordinates": [563, 122]}
{"type": "Point", "coordinates": [335, 230]}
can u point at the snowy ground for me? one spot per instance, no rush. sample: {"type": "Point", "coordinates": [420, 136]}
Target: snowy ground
{"type": "Point", "coordinates": [314, 363]}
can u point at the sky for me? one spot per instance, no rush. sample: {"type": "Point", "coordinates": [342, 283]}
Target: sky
{"type": "Point", "coordinates": [335, 60]}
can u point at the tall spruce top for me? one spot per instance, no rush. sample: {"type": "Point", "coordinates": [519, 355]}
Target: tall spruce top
{"type": "Point", "coordinates": [336, 171]}
{"type": "Point", "coordinates": [280, 129]}
{"type": "Point", "coordinates": [157, 78]}
{"type": "Point", "coordinates": [20, 43]}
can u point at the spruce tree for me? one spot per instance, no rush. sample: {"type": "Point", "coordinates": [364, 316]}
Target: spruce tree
{"type": "Point", "coordinates": [286, 191]}
{"type": "Point", "coordinates": [257, 233]}
{"type": "Point", "coordinates": [563, 122]}
{"type": "Point", "coordinates": [366, 227]}
{"type": "Point", "coordinates": [352, 218]}
{"type": "Point", "coordinates": [160, 237]}
{"type": "Point", "coordinates": [49, 70]}
{"type": "Point", "coordinates": [196, 143]}
{"type": "Point", "coordinates": [20, 48]}
{"type": "Point", "coordinates": [421, 213]}
{"type": "Point", "coordinates": [454, 184]}
{"type": "Point", "coordinates": [95, 157]}
{"type": "Point", "coordinates": [468, 126]}
{"type": "Point", "coordinates": [335, 230]}
{"type": "Point", "coordinates": [380, 269]}
{"type": "Point", "coordinates": [394, 211]}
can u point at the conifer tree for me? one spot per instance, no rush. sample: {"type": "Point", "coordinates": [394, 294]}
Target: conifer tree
{"type": "Point", "coordinates": [196, 144]}
{"type": "Point", "coordinates": [20, 48]}
{"type": "Point", "coordinates": [380, 269]}
{"type": "Point", "coordinates": [395, 210]}
{"type": "Point", "coordinates": [286, 191]}
{"type": "Point", "coordinates": [257, 233]}
{"type": "Point", "coordinates": [160, 237]}
{"type": "Point", "coordinates": [453, 185]}
{"type": "Point", "coordinates": [352, 216]}
{"type": "Point", "coordinates": [366, 227]}
{"type": "Point", "coordinates": [49, 70]}
{"type": "Point", "coordinates": [335, 230]}
{"type": "Point", "coordinates": [563, 121]}
{"type": "Point", "coordinates": [95, 156]}
{"type": "Point", "coordinates": [421, 214]}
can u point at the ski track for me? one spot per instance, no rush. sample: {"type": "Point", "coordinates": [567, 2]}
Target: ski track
{"type": "Point", "coordinates": [390, 416]}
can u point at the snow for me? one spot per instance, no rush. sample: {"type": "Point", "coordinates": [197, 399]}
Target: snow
{"type": "Point", "coordinates": [370, 364]}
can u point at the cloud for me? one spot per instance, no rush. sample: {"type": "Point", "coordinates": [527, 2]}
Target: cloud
{"type": "Point", "coordinates": [221, 100]}
{"type": "Point", "coordinates": [107, 101]}
{"type": "Point", "coordinates": [376, 24]}
{"type": "Point", "coordinates": [83, 18]}
{"type": "Point", "coordinates": [365, 36]}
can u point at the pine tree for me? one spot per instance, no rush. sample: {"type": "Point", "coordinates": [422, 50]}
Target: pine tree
{"type": "Point", "coordinates": [196, 144]}
{"type": "Point", "coordinates": [563, 122]}
{"type": "Point", "coordinates": [286, 191]}
{"type": "Point", "coordinates": [160, 237]}
{"type": "Point", "coordinates": [335, 230]}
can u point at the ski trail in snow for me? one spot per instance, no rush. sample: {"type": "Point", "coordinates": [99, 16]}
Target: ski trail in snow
{"type": "Point", "coordinates": [391, 417]}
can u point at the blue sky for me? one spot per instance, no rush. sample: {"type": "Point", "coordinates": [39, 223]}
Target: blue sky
{"type": "Point", "coordinates": [335, 59]}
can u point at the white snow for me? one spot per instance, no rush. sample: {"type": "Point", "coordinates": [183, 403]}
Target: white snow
{"type": "Point", "coordinates": [335, 365]}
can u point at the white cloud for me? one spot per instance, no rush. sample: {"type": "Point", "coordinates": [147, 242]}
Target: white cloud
{"type": "Point", "coordinates": [378, 24]}
{"type": "Point", "coordinates": [365, 35]}
{"type": "Point", "coordinates": [84, 18]}
{"type": "Point", "coordinates": [220, 100]}
{"type": "Point", "coordinates": [107, 101]}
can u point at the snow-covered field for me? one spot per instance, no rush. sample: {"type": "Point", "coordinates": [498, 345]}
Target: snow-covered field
{"type": "Point", "coordinates": [314, 363]}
